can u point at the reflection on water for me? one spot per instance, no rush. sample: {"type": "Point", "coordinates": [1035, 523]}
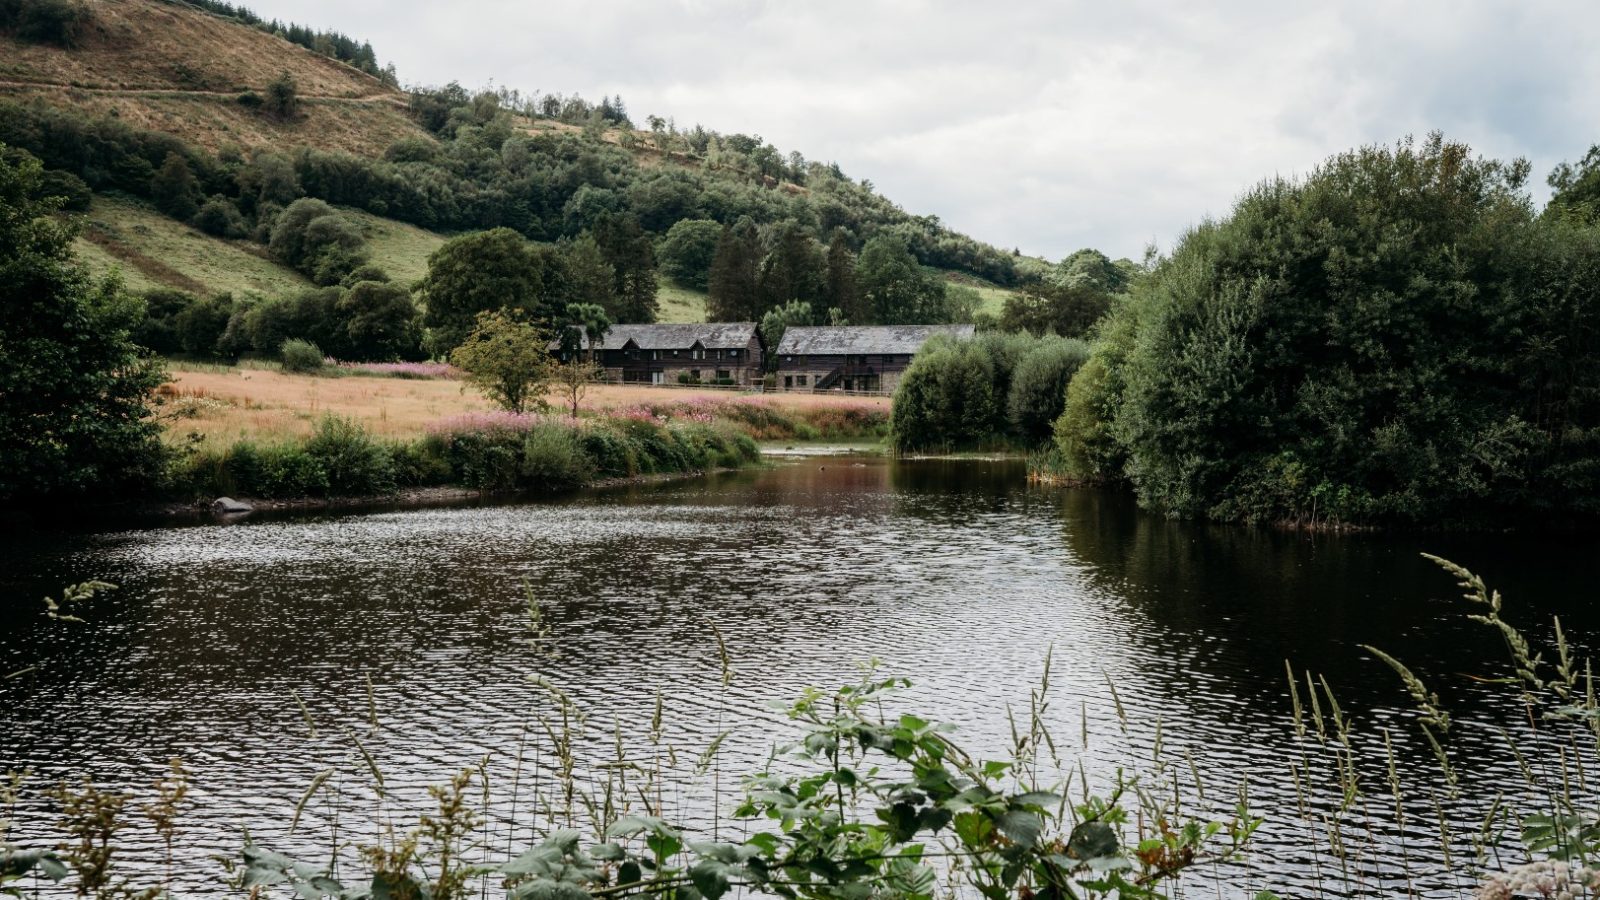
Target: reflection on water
{"type": "Point", "coordinates": [955, 573]}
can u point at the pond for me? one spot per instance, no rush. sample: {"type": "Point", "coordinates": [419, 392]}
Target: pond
{"type": "Point", "coordinates": [224, 639]}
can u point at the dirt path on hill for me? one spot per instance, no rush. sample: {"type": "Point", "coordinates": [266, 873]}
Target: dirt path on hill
{"type": "Point", "coordinates": [386, 97]}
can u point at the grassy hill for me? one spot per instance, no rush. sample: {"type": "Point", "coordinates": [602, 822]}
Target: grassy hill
{"type": "Point", "coordinates": [137, 60]}
{"type": "Point", "coordinates": [152, 250]}
{"type": "Point", "coordinates": [169, 67]}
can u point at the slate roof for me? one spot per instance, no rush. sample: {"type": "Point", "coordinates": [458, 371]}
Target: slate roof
{"type": "Point", "coordinates": [710, 335]}
{"type": "Point", "coordinates": [842, 340]}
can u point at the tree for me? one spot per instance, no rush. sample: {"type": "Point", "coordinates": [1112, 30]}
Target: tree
{"type": "Point", "coordinates": [283, 98]}
{"type": "Point", "coordinates": [947, 398]}
{"type": "Point", "coordinates": [735, 294]}
{"type": "Point", "coordinates": [175, 190]}
{"type": "Point", "coordinates": [157, 328]}
{"type": "Point", "coordinates": [476, 273]}
{"type": "Point", "coordinates": [894, 286]}
{"type": "Point", "coordinates": [841, 289]}
{"type": "Point", "coordinates": [219, 217]}
{"type": "Point", "coordinates": [573, 378]}
{"type": "Point", "coordinates": [961, 303]}
{"type": "Point", "coordinates": [1039, 387]}
{"type": "Point", "coordinates": [584, 275]}
{"type": "Point", "coordinates": [1050, 308]}
{"type": "Point", "coordinates": [1296, 361]}
{"type": "Point", "coordinates": [794, 269]}
{"type": "Point", "coordinates": [314, 238]}
{"type": "Point", "coordinates": [201, 326]}
{"type": "Point", "coordinates": [505, 358]}
{"type": "Point", "coordinates": [630, 252]}
{"type": "Point", "coordinates": [586, 323]}
{"type": "Point", "coordinates": [777, 321]}
{"type": "Point", "coordinates": [75, 390]}
{"type": "Point", "coordinates": [688, 251]}
{"type": "Point", "coordinates": [1576, 188]}
{"type": "Point", "coordinates": [1091, 268]}
{"type": "Point", "coordinates": [380, 322]}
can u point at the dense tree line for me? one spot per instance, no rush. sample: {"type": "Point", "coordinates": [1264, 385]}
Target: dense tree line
{"type": "Point", "coordinates": [1396, 338]}
{"type": "Point", "coordinates": [996, 390]}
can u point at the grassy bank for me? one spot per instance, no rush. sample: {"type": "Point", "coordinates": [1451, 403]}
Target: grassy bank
{"type": "Point", "coordinates": [483, 451]}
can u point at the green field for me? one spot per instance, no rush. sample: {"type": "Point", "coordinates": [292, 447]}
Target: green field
{"type": "Point", "coordinates": [678, 303]}
{"type": "Point", "coordinates": [152, 250]}
{"type": "Point", "coordinates": [401, 250]}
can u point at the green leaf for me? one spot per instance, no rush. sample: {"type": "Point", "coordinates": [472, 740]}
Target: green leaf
{"type": "Point", "coordinates": [1044, 800]}
{"type": "Point", "coordinates": [1022, 827]}
{"type": "Point", "coordinates": [629, 873]}
{"type": "Point", "coordinates": [51, 867]}
{"type": "Point", "coordinates": [1092, 840]}
{"type": "Point", "coordinates": [710, 878]}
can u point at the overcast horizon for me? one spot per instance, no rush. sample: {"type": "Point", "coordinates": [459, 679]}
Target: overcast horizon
{"type": "Point", "coordinates": [1047, 127]}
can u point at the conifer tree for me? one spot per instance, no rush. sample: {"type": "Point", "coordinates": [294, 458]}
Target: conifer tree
{"type": "Point", "coordinates": [735, 294]}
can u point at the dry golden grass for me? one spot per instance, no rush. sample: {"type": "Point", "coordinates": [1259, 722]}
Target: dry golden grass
{"type": "Point", "coordinates": [267, 405]}
{"type": "Point", "coordinates": [139, 61]}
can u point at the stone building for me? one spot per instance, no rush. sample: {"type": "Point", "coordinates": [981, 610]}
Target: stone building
{"type": "Point", "coordinates": [856, 358]}
{"type": "Point", "coordinates": [728, 353]}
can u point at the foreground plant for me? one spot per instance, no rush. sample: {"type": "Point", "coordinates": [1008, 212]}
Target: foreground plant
{"type": "Point", "coordinates": [874, 806]}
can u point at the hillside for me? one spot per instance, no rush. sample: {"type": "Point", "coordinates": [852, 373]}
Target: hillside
{"type": "Point", "coordinates": [136, 60]}
{"type": "Point", "coordinates": [144, 79]}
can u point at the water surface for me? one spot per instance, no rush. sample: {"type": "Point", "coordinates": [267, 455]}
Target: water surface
{"type": "Point", "coordinates": [955, 573]}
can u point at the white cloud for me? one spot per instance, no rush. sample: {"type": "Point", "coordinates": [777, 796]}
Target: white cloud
{"type": "Point", "coordinates": [1043, 125]}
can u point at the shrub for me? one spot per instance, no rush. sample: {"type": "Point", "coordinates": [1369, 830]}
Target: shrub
{"type": "Point", "coordinates": [300, 356]}
{"type": "Point", "coordinates": [157, 329]}
{"type": "Point", "coordinates": [1039, 387]}
{"type": "Point", "coordinates": [201, 326]}
{"type": "Point", "coordinates": [72, 192]}
{"type": "Point", "coordinates": [351, 461]}
{"type": "Point", "coordinates": [219, 217]}
{"type": "Point", "coordinates": [553, 457]}
{"type": "Point", "coordinates": [59, 22]}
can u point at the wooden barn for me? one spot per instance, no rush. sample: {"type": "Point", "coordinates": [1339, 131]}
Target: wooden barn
{"type": "Point", "coordinates": [856, 358]}
{"type": "Point", "coordinates": [727, 353]}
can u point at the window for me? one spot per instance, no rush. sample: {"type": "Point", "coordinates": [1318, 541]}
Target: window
{"type": "Point", "coordinates": [788, 381]}
{"type": "Point", "coordinates": [800, 380]}
{"type": "Point", "coordinates": [724, 373]}
{"type": "Point", "coordinates": [733, 354]}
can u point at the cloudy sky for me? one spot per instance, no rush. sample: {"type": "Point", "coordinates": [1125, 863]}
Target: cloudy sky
{"type": "Point", "coordinates": [1043, 125]}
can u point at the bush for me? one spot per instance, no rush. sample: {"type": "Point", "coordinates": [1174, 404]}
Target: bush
{"type": "Point", "coordinates": [300, 356]}
{"type": "Point", "coordinates": [73, 192]}
{"type": "Point", "coordinates": [59, 22]}
{"type": "Point", "coordinates": [219, 217]}
{"type": "Point", "coordinates": [352, 462]}
{"type": "Point", "coordinates": [553, 457]}
{"type": "Point", "coordinates": [157, 329]}
{"type": "Point", "coordinates": [201, 326]}
{"type": "Point", "coordinates": [1039, 388]}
